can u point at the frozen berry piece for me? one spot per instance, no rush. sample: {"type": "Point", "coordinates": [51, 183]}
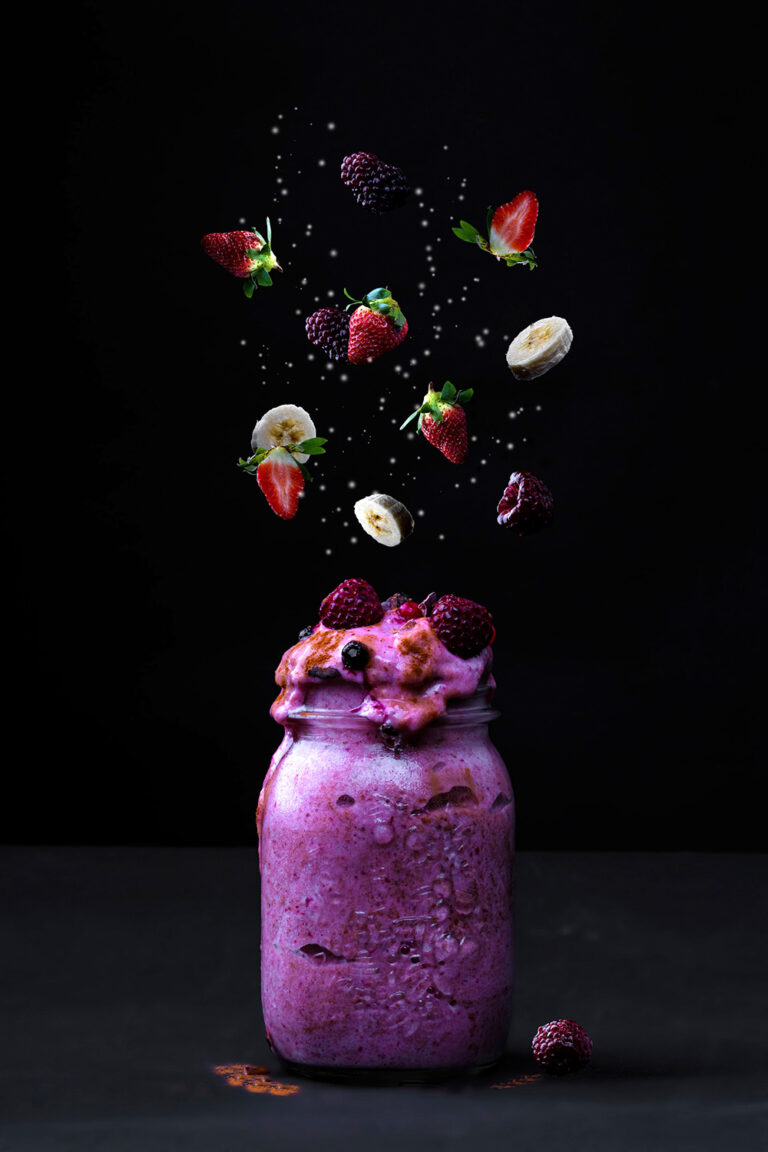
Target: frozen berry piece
{"type": "Point", "coordinates": [328, 328]}
{"type": "Point", "coordinates": [306, 631]}
{"type": "Point", "coordinates": [350, 605]}
{"type": "Point", "coordinates": [526, 504]}
{"type": "Point", "coordinates": [409, 610]}
{"type": "Point", "coordinates": [561, 1046]}
{"type": "Point", "coordinates": [377, 186]}
{"type": "Point", "coordinates": [355, 656]}
{"type": "Point", "coordinates": [463, 626]}
{"type": "Point", "coordinates": [395, 601]}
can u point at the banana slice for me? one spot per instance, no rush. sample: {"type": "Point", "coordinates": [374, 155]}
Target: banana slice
{"type": "Point", "coordinates": [286, 424]}
{"type": "Point", "coordinates": [539, 347]}
{"type": "Point", "coordinates": [384, 518]}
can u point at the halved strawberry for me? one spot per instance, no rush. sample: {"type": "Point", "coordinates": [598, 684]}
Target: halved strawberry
{"type": "Point", "coordinates": [510, 228]}
{"type": "Point", "coordinates": [513, 225]}
{"type": "Point", "coordinates": [282, 481]}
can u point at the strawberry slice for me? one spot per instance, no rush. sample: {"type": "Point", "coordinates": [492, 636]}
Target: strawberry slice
{"type": "Point", "coordinates": [281, 480]}
{"type": "Point", "coordinates": [513, 225]}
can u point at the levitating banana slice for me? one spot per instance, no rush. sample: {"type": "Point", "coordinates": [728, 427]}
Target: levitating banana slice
{"type": "Point", "coordinates": [281, 426]}
{"type": "Point", "coordinates": [539, 347]}
{"type": "Point", "coordinates": [384, 518]}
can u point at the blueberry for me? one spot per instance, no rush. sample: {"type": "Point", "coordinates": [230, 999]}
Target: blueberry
{"type": "Point", "coordinates": [306, 631]}
{"type": "Point", "coordinates": [355, 656]}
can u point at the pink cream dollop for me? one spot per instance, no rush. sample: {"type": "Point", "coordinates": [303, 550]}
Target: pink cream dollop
{"type": "Point", "coordinates": [407, 683]}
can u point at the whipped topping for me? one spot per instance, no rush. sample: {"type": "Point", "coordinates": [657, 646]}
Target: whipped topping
{"type": "Point", "coordinates": [407, 683]}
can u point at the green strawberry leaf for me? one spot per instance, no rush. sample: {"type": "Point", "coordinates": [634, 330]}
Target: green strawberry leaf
{"type": "Point", "coordinates": [384, 309]}
{"type": "Point", "coordinates": [418, 412]}
{"type": "Point", "coordinates": [304, 470]}
{"type": "Point", "coordinates": [248, 287]}
{"type": "Point", "coordinates": [258, 235]}
{"type": "Point", "coordinates": [448, 392]}
{"type": "Point", "coordinates": [263, 277]}
{"type": "Point", "coordinates": [377, 294]}
{"type": "Point", "coordinates": [254, 252]}
{"type": "Point", "coordinates": [467, 394]}
{"type": "Point", "coordinates": [311, 447]}
{"type": "Point", "coordinates": [488, 218]}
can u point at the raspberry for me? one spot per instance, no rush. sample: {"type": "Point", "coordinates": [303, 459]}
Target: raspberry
{"type": "Point", "coordinates": [561, 1046]}
{"type": "Point", "coordinates": [328, 328]}
{"type": "Point", "coordinates": [526, 504]}
{"type": "Point", "coordinates": [463, 626]}
{"type": "Point", "coordinates": [353, 603]}
{"type": "Point", "coordinates": [376, 185]}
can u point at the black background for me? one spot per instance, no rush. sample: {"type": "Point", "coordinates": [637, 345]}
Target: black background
{"type": "Point", "coordinates": [152, 591]}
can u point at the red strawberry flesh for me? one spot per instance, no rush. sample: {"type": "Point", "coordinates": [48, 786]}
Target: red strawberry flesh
{"type": "Point", "coordinates": [281, 481]}
{"type": "Point", "coordinates": [514, 224]}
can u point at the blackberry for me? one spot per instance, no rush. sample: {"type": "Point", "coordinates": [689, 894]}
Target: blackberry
{"type": "Point", "coordinates": [526, 505]}
{"type": "Point", "coordinates": [377, 186]}
{"type": "Point", "coordinates": [328, 328]}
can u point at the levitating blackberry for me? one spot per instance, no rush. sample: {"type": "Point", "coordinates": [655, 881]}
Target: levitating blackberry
{"type": "Point", "coordinates": [328, 328]}
{"type": "Point", "coordinates": [377, 186]}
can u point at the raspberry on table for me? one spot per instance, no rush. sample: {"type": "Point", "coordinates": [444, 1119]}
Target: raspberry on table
{"type": "Point", "coordinates": [352, 604]}
{"type": "Point", "coordinates": [377, 186]}
{"type": "Point", "coordinates": [328, 328]}
{"type": "Point", "coordinates": [463, 626]}
{"type": "Point", "coordinates": [526, 505]}
{"type": "Point", "coordinates": [561, 1046]}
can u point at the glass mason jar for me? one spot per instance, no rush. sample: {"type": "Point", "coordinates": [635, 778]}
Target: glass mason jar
{"type": "Point", "coordinates": [386, 939]}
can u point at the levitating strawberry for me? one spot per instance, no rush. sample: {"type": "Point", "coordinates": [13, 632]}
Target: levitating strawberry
{"type": "Point", "coordinates": [278, 461]}
{"type": "Point", "coordinates": [246, 255]}
{"type": "Point", "coordinates": [444, 422]}
{"type": "Point", "coordinates": [375, 326]}
{"type": "Point", "coordinates": [510, 231]}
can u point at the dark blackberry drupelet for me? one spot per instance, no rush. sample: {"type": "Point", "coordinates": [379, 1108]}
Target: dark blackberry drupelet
{"type": "Point", "coordinates": [526, 505]}
{"type": "Point", "coordinates": [352, 604]}
{"type": "Point", "coordinates": [328, 328]}
{"type": "Point", "coordinates": [561, 1046]}
{"type": "Point", "coordinates": [377, 186]}
{"type": "Point", "coordinates": [463, 626]}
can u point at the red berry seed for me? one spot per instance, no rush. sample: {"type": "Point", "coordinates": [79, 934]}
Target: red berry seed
{"type": "Point", "coordinates": [352, 604]}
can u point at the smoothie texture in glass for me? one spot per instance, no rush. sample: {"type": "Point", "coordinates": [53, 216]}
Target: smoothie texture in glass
{"type": "Point", "coordinates": [386, 824]}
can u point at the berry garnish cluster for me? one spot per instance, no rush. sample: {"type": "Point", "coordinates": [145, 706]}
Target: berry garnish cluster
{"type": "Point", "coordinates": [376, 325]}
{"type": "Point", "coordinates": [464, 627]}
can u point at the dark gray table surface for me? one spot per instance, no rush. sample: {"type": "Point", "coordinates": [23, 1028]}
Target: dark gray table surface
{"type": "Point", "coordinates": [129, 973]}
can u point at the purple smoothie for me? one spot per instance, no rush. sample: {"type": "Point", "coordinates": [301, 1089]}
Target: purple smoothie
{"type": "Point", "coordinates": [386, 841]}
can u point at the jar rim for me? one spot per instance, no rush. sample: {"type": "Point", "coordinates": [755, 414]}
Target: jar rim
{"type": "Point", "coordinates": [463, 711]}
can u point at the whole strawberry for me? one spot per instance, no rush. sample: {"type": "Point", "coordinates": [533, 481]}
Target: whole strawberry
{"type": "Point", "coordinates": [443, 421]}
{"type": "Point", "coordinates": [352, 604]}
{"type": "Point", "coordinates": [561, 1046]}
{"type": "Point", "coordinates": [526, 505]}
{"type": "Point", "coordinates": [463, 626]}
{"type": "Point", "coordinates": [246, 255]}
{"type": "Point", "coordinates": [375, 326]}
{"type": "Point", "coordinates": [377, 186]}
